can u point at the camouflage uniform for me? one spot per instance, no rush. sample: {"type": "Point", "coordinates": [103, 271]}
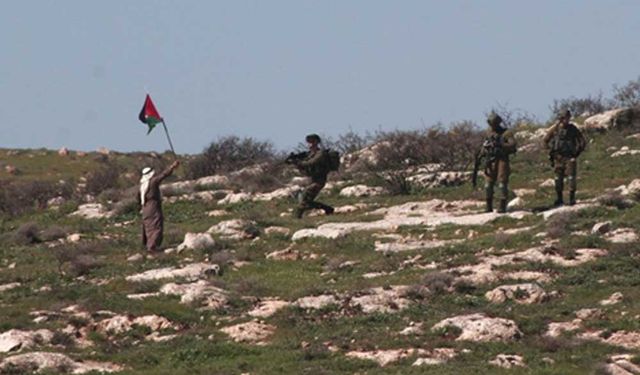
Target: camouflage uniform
{"type": "Point", "coordinates": [497, 147]}
{"type": "Point", "coordinates": [314, 165]}
{"type": "Point", "coordinates": [565, 142]}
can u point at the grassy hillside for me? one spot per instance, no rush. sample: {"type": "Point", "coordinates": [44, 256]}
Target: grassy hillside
{"type": "Point", "coordinates": [54, 273]}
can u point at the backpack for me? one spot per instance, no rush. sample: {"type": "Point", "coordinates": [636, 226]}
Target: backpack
{"type": "Point", "coordinates": [332, 160]}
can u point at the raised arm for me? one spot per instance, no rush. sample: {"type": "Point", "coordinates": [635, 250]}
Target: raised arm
{"type": "Point", "coordinates": [167, 172]}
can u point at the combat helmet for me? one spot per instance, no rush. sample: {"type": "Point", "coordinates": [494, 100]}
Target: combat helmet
{"type": "Point", "coordinates": [313, 138]}
{"type": "Point", "coordinates": [494, 120]}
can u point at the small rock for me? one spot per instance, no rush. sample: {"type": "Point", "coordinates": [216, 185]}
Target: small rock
{"type": "Point", "coordinates": [277, 230]}
{"type": "Point", "coordinates": [516, 203]}
{"type": "Point", "coordinates": [74, 237]}
{"type": "Point", "coordinates": [63, 151]}
{"type": "Point", "coordinates": [548, 183]}
{"type": "Point", "coordinates": [601, 228]}
{"type": "Point", "coordinates": [615, 298]}
{"type": "Point", "coordinates": [5, 287]}
{"type": "Point", "coordinates": [135, 258]}
{"type": "Point", "coordinates": [217, 213]}
{"type": "Point", "coordinates": [196, 241]}
{"type": "Point", "coordinates": [508, 361]}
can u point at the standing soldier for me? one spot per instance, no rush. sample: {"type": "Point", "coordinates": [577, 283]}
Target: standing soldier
{"type": "Point", "coordinates": [151, 202]}
{"type": "Point", "coordinates": [495, 151]}
{"type": "Point", "coordinates": [565, 143]}
{"type": "Point", "coordinates": [314, 164]}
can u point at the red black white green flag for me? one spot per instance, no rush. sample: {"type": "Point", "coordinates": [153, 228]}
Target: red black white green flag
{"type": "Point", "coordinates": [149, 114]}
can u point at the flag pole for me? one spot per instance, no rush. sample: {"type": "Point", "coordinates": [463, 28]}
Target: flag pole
{"type": "Point", "coordinates": [166, 131]}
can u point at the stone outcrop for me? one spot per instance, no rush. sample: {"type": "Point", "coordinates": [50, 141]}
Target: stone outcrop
{"type": "Point", "coordinates": [253, 332]}
{"type": "Point", "coordinates": [200, 292]}
{"type": "Point", "coordinates": [480, 328]}
{"type": "Point", "coordinates": [432, 357]}
{"type": "Point", "coordinates": [382, 300]}
{"type": "Point", "coordinates": [15, 339]}
{"type": "Point", "coordinates": [520, 293]}
{"type": "Point", "coordinates": [123, 323]}
{"type": "Point", "coordinates": [190, 272]}
{"type": "Point", "coordinates": [30, 363]}
{"type": "Point", "coordinates": [267, 307]}
{"type": "Point", "coordinates": [361, 191]}
{"type": "Point", "coordinates": [92, 211]}
{"type": "Point", "coordinates": [235, 229]}
{"type": "Point", "coordinates": [618, 118]}
{"type": "Point", "coordinates": [430, 214]}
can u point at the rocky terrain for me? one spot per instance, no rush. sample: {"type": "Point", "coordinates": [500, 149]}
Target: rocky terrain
{"type": "Point", "coordinates": [418, 283]}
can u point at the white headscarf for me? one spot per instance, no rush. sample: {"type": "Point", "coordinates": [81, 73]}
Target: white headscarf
{"type": "Point", "coordinates": [147, 174]}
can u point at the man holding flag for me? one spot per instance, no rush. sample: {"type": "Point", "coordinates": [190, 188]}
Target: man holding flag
{"type": "Point", "coordinates": [149, 196]}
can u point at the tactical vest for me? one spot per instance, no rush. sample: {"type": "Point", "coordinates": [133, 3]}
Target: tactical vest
{"type": "Point", "coordinates": [564, 142]}
{"type": "Point", "coordinates": [492, 147]}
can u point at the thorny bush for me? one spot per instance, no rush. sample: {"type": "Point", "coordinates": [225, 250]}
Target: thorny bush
{"type": "Point", "coordinates": [229, 154]}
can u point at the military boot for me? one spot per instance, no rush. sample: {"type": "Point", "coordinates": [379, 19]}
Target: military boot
{"type": "Point", "coordinates": [328, 210]}
{"type": "Point", "coordinates": [297, 212]}
{"type": "Point", "coordinates": [489, 207]}
{"type": "Point", "coordinates": [572, 197]}
{"type": "Point", "coordinates": [503, 206]}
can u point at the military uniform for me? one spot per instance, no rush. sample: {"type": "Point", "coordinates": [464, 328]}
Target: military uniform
{"type": "Point", "coordinates": [314, 165]}
{"type": "Point", "coordinates": [496, 148]}
{"type": "Point", "coordinates": [565, 143]}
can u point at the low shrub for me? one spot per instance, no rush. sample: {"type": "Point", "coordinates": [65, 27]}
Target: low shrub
{"type": "Point", "coordinates": [78, 259]}
{"type": "Point", "coordinates": [20, 197]}
{"type": "Point", "coordinates": [27, 234]}
{"type": "Point", "coordinates": [230, 154]}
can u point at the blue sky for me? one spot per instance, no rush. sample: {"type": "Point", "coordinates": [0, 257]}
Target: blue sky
{"type": "Point", "coordinates": [74, 73]}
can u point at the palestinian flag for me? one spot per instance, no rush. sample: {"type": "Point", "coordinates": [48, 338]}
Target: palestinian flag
{"type": "Point", "coordinates": [149, 114]}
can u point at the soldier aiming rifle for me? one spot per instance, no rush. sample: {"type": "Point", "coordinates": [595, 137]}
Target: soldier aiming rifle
{"type": "Point", "coordinates": [316, 164]}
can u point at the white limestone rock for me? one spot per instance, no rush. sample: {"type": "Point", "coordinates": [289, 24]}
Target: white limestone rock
{"type": "Point", "coordinates": [521, 293]}
{"type": "Point", "coordinates": [196, 241]}
{"type": "Point", "coordinates": [361, 191]}
{"type": "Point", "coordinates": [44, 361]}
{"type": "Point", "coordinates": [508, 361]}
{"type": "Point", "coordinates": [615, 298]}
{"type": "Point", "coordinates": [480, 328]}
{"type": "Point", "coordinates": [92, 211]}
{"type": "Point", "coordinates": [15, 339]}
{"type": "Point", "coordinates": [268, 307]}
{"type": "Point", "coordinates": [235, 229]}
{"type": "Point", "coordinates": [202, 292]}
{"type": "Point", "coordinates": [190, 272]}
{"type": "Point", "coordinates": [251, 332]}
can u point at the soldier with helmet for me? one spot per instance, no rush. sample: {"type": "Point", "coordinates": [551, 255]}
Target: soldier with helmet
{"type": "Point", "coordinates": [315, 164]}
{"type": "Point", "coordinates": [565, 143]}
{"type": "Point", "coordinates": [495, 151]}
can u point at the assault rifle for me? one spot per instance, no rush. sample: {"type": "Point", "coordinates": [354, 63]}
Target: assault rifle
{"type": "Point", "coordinates": [296, 157]}
{"type": "Point", "coordinates": [491, 147]}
